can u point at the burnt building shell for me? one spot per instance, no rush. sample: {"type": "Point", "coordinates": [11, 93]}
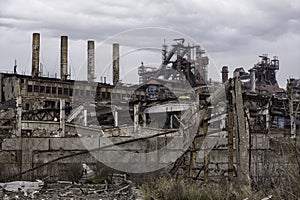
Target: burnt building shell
{"type": "Point", "coordinates": [51, 88]}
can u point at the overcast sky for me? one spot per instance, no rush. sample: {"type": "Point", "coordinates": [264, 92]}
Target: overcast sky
{"type": "Point", "coordinates": [233, 32]}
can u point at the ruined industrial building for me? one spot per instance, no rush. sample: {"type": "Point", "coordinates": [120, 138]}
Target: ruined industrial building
{"type": "Point", "coordinates": [238, 129]}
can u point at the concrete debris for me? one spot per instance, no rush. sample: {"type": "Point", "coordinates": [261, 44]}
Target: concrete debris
{"type": "Point", "coordinates": [26, 187]}
{"type": "Point", "coordinates": [64, 182]}
{"type": "Point", "coordinates": [268, 197]}
{"type": "Point", "coordinates": [121, 188]}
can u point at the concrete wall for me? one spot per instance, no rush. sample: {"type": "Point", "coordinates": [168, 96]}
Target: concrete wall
{"type": "Point", "coordinates": [11, 88]}
{"type": "Point", "coordinates": [21, 154]}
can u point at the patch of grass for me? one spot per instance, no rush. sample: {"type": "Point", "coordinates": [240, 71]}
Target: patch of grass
{"type": "Point", "coordinates": [97, 180]}
{"type": "Point", "coordinates": [167, 188]}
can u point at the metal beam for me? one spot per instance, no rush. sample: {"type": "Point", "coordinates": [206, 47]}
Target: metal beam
{"type": "Point", "coordinates": [171, 107]}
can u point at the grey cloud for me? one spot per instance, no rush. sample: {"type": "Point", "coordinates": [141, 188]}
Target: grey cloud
{"type": "Point", "coordinates": [221, 26]}
{"type": "Point", "coordinates": [5, 24]}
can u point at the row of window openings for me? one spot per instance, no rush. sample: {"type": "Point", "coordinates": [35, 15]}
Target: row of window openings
{"type": "Point", "coordinates": [59, 91]}
{"type": "Point", "coordinates": [69, 92]}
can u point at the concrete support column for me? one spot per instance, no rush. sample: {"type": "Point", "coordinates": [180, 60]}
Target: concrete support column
{"type": "Point", "coordinates": [84, 117]}
{"type": "Point", "coordinates": [19, 116]}
{"type": "Point", "coordinates": [62, 117]}
{"type": "Point", "coordinates": [293, 126]}
{"type": "Point", "coordinates": [193, 158]}
{"type": "Point", "coordinates": [230, 138]}
{"type": "Point", "coordinates": [206, 151]}
{"type": "Point", "coordinates": [27, 158]}
{"type": "Point", "coordinates": [35, 55]}
{"type": "Point", "coordinates": [267, 135]}
{"type": "Point", "coordinates": [116, 116]}
{"type": "Point", "coordinates": [252, 80]}
{"type": "Point", "coordinates": [144, 119]}
{"type": "Point", "coordinates": [205, 74]}
{"type": "Point", "coordinates": [291, 108]}
{"type": "Point", "coordinates": [136, 124]}
{"type": "Point", "coordinates": [242, 137]}
{"type": "Point", "coordinates": [206, 167]}
{"type": "Point", "coordinates": [200, 63]}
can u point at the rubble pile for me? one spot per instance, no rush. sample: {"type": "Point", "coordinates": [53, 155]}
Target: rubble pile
{"type": "Point", "coordinates": [120, 188]}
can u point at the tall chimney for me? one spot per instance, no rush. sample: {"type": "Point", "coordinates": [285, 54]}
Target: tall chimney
{"type": "Point", "coordinates": [64, 58]}
{"type": "Point", "coordinates": [224, 74]}
{"type": "Point", "coordinates": [91, 61]}
{"type": "Point", "coordinates": [116, 64]}
{"type": "Point", "coordinates": [35, 55]}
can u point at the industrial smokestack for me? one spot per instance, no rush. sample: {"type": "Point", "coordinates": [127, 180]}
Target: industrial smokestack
{"type": "Point", "coordinates": [252, 80]}
{"type": "Point", "coordinates": [224, 74]}
{"type": "Point", "coordinates": [91, 61]}
{"type": "Point", "coordinates": [64, 58]}
{"type": "Point", "coordinates": [35, 55]}
{"type": "Point", "coordinates": [116, 63]}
